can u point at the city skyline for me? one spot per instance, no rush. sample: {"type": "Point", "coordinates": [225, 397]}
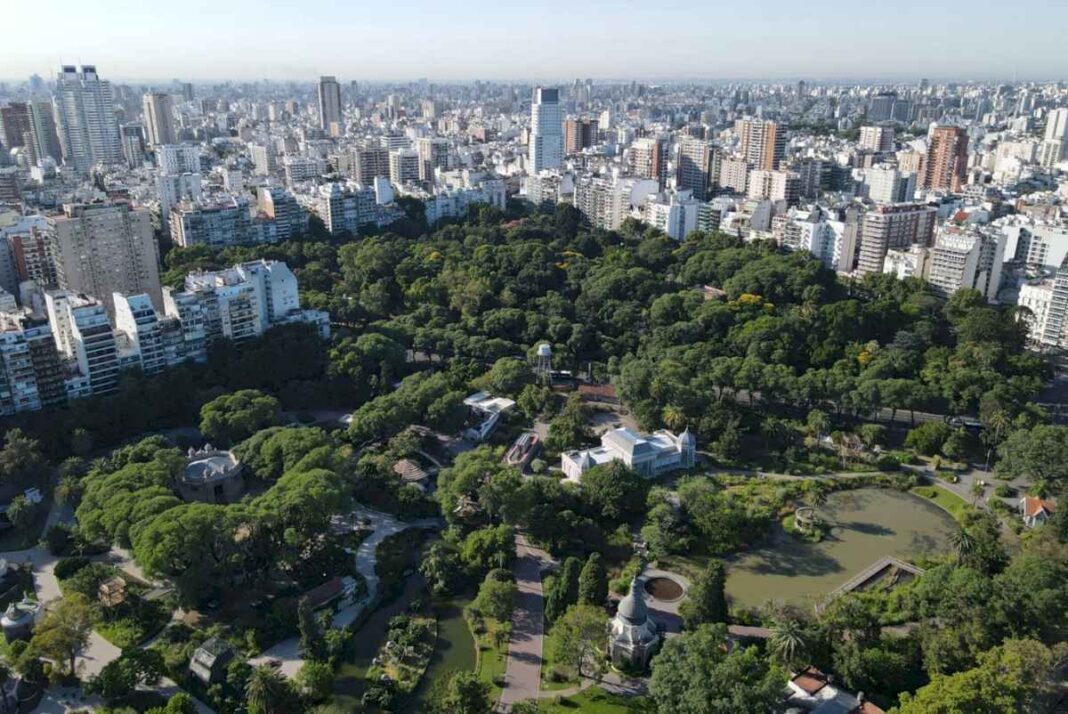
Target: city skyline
{"type": "Point", "coordinates": [418, 39]}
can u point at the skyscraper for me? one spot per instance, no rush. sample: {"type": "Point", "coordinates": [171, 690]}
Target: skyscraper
{"type": "Point", "coordinates": [763, 143]}
{"type": "Point", "coordinates": [947, 158]}
{"type": "Point", "coordinates": [103, 248]}
{"type": "Point", "coordinates": [697, 169]}
{"type": "Point", "coordinates": [579, 133]}
{"type": "Point", "coordinates": [159, 118]}
{"type": "Point", "coordinates": [43, 131]}
{"type": "Point", "coordinates": [330, 106]}
{"type": "Point", "coordinates": [546, 130]}
{"type": "Point", "coordinates": [1055, 144]}
{"type": "Point", "coordinates": [15, 120]}
{"type": "Point", "coordinates": [88, 130]}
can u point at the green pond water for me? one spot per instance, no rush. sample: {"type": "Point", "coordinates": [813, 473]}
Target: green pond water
{"type": "Point", "coordinates": [865, 525]}
{"type": "Point", "coordinates": [454, 651]}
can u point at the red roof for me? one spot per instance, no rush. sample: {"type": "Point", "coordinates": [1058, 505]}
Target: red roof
{"type": "Point", "coordinates": [601, 391]}
{"type": "Point", "coordinates": [811, 680]}
{"type": "Point", "coordinates": [1033, 506]}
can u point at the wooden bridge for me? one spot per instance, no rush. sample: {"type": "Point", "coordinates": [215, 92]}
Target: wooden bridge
{"type": "Point", "coordinates": [867, 574]}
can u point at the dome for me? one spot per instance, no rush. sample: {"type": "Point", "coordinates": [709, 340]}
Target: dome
{"type": "Point", "coordinates": [632, 608]}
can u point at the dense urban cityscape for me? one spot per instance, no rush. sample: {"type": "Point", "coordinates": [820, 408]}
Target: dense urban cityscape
{"type": "Point", "coordinates": [613, 396]}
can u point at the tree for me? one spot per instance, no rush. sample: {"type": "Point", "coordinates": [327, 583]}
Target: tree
{"type": "Point", "coordinates": [707, 601]}
{"type": "Point", "coordinates": [1040, 453]}
{"type": "Point", "coordinates": [614, 492]}
{"type": "Point", "coordinates": [312, 642]}
{"type": "Point", "coordinates": [593, 582]}
{"type": "Point", "coordinates": [234, 417]}
{"type": "Point", "coordinates": [465, 693]}
{"type": "Point", "coordinates": [1010, 678]}
{"type": "Point", "coordinates": [180, 703]}
{"type": "Point", "coordinates": [963, 544]}
{"type": "Point", "coordinates": [496, 596]}
{"type": "Point", "coordinates": [564, 591]}
{"type": "Point", "coordinates": [21, 462]}
{"type": "Point", "coordinates": [316, 680]}
{"type": "Point", "coordinates": [787, 642]}
{"type": "Point", "coordinates": [699, 673]}
{"type": "Point", "coordinates": [442, 570]}
{"type": "Point", "coordinates": [487, 548]}
{"type": "Point", "coordinates": [121, 676]}
{"type": "Point", "coordinates": [268, 692]}
{"type": "Point", "coordinates": [578, 639]}
{"type": "Point", "coordinates": [927, 438]}
{"type": "Point", "coordinates": [64, 630]}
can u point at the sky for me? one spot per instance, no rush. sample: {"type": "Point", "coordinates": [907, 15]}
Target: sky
{"type": "Point", "coordinates": [198, 40]}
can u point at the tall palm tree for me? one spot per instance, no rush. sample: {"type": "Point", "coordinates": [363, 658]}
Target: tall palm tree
{"type": "Point", "coordinates": [787, 642]}
{"type": "Point", "coordinates": [267, 691]}
{"type": "Point", "coordinates": [963, 543]}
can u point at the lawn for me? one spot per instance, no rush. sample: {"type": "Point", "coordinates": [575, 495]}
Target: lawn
{"type": "Point", "coordinates": [597, 701]}
{"type": "Point", "coordinates": [953, 504]}
{"type": "Point", "coordinates": [492, 660]}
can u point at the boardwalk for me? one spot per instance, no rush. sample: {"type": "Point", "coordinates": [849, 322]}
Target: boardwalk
{"type": "Point", "coordinates": [522, 679]}
{"type": "Point", "coordinates": [867, 574]}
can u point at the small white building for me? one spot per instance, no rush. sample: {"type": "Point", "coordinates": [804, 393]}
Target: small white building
{"type": "Point", "coordinates": [633, 637]}
{"type": "Point", "coordinates": [649, 455]}
{"type": "Point", "coordinates": [484, 413]}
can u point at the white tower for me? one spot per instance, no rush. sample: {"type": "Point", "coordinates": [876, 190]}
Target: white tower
{"type": "Point", "coordinates": [544, 367]}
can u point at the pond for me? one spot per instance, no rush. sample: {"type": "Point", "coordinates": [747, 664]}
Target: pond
{"type": "Point", "coordinates": [455, 651]}
{"type": "Point", "coordinates": [865, 525]}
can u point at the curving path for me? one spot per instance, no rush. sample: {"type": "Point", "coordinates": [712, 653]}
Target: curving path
{"type": "Point", "coordinates": [288, 651]}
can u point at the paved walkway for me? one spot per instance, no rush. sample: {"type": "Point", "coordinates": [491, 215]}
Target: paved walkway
{"type": "Point", "coordinates": [522, 678]}
{"type": "Point", "coordinates": [288, 651]}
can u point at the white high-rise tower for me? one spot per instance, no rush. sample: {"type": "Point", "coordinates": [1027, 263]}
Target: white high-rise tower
{"type": "Point", "coordinates": [546, 131]}
{"type": "Point", "coordinates": [88, 130]}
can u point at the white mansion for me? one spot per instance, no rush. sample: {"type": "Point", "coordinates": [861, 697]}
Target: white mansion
{"type": "Point", "coordinates": [650, 455]}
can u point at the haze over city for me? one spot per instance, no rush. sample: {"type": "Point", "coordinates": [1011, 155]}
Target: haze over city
{"type": "Point", "coordinates": [533, 358]}
{"type": "Point", "coordinates": [772, 39]}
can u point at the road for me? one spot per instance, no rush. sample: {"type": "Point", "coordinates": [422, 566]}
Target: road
{"type": "Point", "coordinates": [522, 677]}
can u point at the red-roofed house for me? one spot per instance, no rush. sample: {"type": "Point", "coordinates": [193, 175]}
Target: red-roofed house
{"type": "Point", "coordinates": [1036, 511]}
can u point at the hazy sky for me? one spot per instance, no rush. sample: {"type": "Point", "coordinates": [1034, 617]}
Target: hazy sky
{"type": "Point", "coordinates": [549, 39]}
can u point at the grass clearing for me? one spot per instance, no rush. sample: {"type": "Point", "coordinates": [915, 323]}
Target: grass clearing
{"type": "Point", "coordinates": [951, 503]}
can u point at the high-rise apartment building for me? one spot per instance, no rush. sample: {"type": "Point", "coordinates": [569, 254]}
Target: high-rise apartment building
{"type": "Point", "coordinates": [433, 154]}
{"type": "Point", "coordinates": [104, 248]}
{"type": "Point", "coordinates": [15, 125]}
{"type": "Point", "coordinates": [892, 226]}
{"type": "Point", "coordinates": [889, 185]}
{"type": "Point", "coordinates": [546, 150]}
{"type": "Point", "coordinates": [88, 130]}
{"type": "Point", "coordinates": [763, 143]}
{"type": "Point", "coordinates": [43, 132]}
{"type": "Point", "coordinates": [649, 158]}
{"type": "Point", "coordinates": [369, 162]}
{"type": "Point", "coordinates": [774, 186]}
{"type": "Point", "coordinates": [159, 118]}
{"type": "Point", "coordinates": [84, 336]}
{"type": "Point", "coordinates": [1054, 146]}
{"type": "Point", "coordinates": [280, 206]}
{"type": "Point", "coordinates": [697, 168]}
{"type": "Point", "coordinates": [178, 158]}
{"type": "Point", "coordinates": [330, 118]}
{"type": "Point", "coordinates": [966, 260]}
{"type": "Point", "coordinates": [403, 166]}
{"type": "Point", "coordinates": [876, 138]}
{"type": "Point", "coordinates": [947, 158]}
{"type": "Point", "coordinates": [31, 375]}
{"type": "Point", "coordinates": [134, 144]}
{"type": "Point", "coordinates": [138, 329]}
{"type": "Point", "coordinates": [579, 133]}
{"type": "Point", "coordinates": [216, 224]}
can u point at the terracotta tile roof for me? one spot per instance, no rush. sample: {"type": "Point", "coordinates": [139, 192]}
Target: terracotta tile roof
{"type": "Point", "coordinates": [1033, 506]}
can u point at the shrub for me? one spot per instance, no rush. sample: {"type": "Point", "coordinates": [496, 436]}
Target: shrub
{"type": "Point", "coordinates": [888, 462]}
{"type": "Point", "coordinates": [59, 540]}
{"type": "Point", "coordinates": [67, 567]}
{"type": "Point", "coordinates": [1004, 490]}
